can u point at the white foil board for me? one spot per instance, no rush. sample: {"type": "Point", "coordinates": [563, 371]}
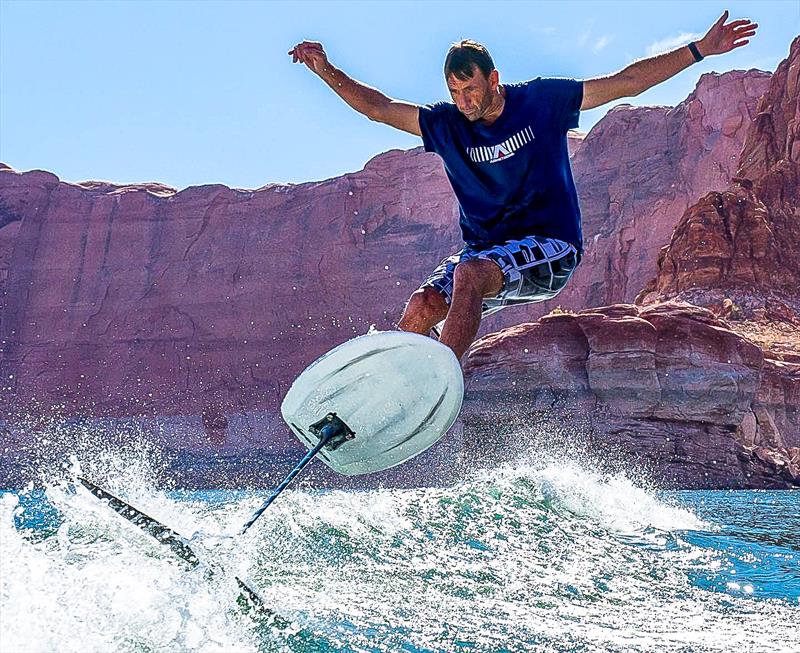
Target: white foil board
{"type": "Point", "coordinates": [399, 392]}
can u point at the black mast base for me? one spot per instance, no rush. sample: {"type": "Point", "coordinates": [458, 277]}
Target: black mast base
{"type": "Point", "coordinates": [333, 430]}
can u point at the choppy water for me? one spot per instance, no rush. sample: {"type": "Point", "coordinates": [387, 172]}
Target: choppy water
{"type": "Point", "coordinates": [547, 558]}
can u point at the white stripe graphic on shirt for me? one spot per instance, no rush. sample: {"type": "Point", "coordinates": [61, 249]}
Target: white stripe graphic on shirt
{"type": "Point", "coordinates": [507, 148]}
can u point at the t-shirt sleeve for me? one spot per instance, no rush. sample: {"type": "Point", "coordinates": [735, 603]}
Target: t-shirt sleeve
{"type": "Point", "coordinates": [564, 97]}
{"type": "Point", "coordinates": [433, 125]}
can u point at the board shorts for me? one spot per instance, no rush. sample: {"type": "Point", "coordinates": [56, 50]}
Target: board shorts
{"type": "Point", "coordinates": [535, 269]}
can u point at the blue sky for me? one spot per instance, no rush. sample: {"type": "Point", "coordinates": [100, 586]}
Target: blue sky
{"type": "Point", "coordinates": [190, 93]}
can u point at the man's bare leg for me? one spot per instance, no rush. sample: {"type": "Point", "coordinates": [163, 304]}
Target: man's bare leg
{"type": "Point", "coordinates": [472, 281]}
{"type": "Point", "coordinates": [425, 309]}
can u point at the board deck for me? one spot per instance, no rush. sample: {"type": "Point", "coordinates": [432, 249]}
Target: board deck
{"type": "Point", "coordinates": [398, 392]}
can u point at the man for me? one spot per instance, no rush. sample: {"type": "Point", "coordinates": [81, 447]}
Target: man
{"type": "Point", "coordinates": [504, 149]}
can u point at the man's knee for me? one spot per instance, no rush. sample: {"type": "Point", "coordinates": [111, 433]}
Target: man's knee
{"type": "Point", "coordinates": [427, 302]}
{"type": "Point", "coordinates": [480, 276]}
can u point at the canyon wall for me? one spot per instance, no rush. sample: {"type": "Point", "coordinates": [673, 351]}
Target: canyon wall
{"type": "Point", "coordinates": [191, 311]}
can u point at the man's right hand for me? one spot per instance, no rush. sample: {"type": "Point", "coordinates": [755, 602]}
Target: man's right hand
{"type": "Point", "coordinates": [311, 54]}
{"type": "Point", "coordinates": [364, 99]}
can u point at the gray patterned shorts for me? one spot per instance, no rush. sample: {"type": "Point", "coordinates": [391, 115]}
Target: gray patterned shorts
{"type": "Point", "coordinates": [535, 269]}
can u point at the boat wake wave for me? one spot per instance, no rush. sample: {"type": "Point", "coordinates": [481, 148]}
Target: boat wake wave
{"type": "Point", "coordinates": [548, 557]}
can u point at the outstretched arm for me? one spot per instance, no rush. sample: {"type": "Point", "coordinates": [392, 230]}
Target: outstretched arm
{"type": "Point", "coordinates": [364, 99]}
{"type": "Point", "coordinates": [646, 73]}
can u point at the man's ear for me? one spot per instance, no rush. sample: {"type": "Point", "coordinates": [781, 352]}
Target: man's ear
{"type": "Point", "coordinates": [494, 79]}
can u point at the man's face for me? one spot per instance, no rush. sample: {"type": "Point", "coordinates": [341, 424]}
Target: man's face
{"type": "Point", "coordinates": [473, 97]}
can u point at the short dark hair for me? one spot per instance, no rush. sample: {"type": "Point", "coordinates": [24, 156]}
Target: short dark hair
{"type": "Point", "coordinates": [466, 55]}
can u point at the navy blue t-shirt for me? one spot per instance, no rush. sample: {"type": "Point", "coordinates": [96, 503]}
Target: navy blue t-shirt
{"type": "Point", "coordinates": [512, 178]}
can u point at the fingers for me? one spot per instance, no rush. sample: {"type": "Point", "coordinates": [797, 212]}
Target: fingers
{"type": "Point", "coordinates": [741, 35]}
{"type": "Point", "coordinates": [744, 35]}
{"type": "Point", "coordinates": [306, 51]}
{"type": "Point", "coordinates": [748, 29]}
{"type": "Point", "coordinates": [733, 35]}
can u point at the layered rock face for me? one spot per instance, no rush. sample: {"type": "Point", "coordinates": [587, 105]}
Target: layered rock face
{"type": "Point", "coordinates": [705, 401]}
{"type": "Point", "coordinates": [196, 309]}
{"type": "Point", "coordinates": [142, 300]}
{"type": "Point", "coordinates": [284, 268]}
{"type": "Point", "coordinates": [667, 387]}
{"type": "Point", "coordinates": [179, 319]}
{"type": "Point", "coordinates": [644, 168]}
{"type": "Point", "coordinates": [745, 241]}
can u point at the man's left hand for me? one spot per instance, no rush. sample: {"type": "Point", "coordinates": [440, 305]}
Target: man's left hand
{"type": "Point", "coordinates": [723, 38]}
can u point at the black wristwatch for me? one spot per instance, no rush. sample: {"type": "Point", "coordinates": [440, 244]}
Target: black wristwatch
{"type": "Point", "coordinates": [695, 52]}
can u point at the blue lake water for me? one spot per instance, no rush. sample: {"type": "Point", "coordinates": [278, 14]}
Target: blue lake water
{"type": "Point", "coordinates": [548, 558]}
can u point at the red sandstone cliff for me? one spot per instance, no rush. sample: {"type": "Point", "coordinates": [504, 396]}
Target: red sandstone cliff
{"type": "Point", "coordinates": [745, 241]}
{"type": "Point", "coordinates": [668, 386]}
{"type": "Point", "coordinates": [105, 286]}
{"type": "Point", "coordinates": [144, 300]}
{"type": "Point", "coordinates": [205, 303]}
{"type": "Point", "coordinates": [643, 168]}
